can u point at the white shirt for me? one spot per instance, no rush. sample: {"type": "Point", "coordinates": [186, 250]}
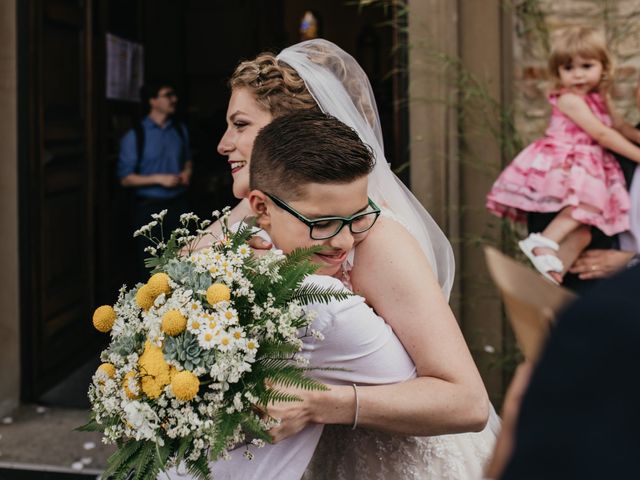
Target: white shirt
{"type": "Point", "coordinates": [356, 340]}
{"type": "Point", "coordinates": [630, 241]}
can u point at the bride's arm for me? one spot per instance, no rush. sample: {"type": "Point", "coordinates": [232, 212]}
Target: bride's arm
{"type": "Point", "coordinates": [238, 213]}
{"type": "Point", "coordinates": [448, 396]}
{"type": "Point", "coordinates": [392, 273]}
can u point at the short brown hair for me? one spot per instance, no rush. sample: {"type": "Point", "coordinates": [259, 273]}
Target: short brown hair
{"type": "Point", "coordinates": [306, 147]}
{"type": "Point", "coordinates": [583, 42]}
{"type": "Point", "coordinates": [275, 85]}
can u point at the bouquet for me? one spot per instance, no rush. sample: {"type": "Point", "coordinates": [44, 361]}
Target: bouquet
{"type": "Point", "coordinates": [199, 350]}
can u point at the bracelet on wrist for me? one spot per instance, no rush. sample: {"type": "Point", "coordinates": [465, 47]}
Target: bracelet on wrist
{"type": "Point", "coordinates": [355, 417]}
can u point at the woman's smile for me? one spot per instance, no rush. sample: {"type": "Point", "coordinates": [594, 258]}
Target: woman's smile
{"type": "Point", "coordinates": [237, 165]}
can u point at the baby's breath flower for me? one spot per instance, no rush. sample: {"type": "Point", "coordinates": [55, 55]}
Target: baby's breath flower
{"type": "Point", "coordinates": [160, 215]}
{"type": "Point", "coordinates": [317, 334]}
{"type": "Point", "coordinates": [258, 442]}
{"type": "Point", "coordinates": [185, 218]}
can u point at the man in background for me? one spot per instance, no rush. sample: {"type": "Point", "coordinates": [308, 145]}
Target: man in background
{"type": "Point", "coordinates": [155, 161]}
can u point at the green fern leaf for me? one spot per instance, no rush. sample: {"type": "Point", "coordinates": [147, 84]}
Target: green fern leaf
{"type": "Point", "coordinates": [121, 461]}
{"type": "Point", "coordinates": [225, 427]}
{"type": "Point", "coordinates": [310, 293]}
{"type": "Point", "coordinates": [199, 468]}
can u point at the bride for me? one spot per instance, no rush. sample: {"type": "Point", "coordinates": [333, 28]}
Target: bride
{"type": "Point", "coordinates": [404, 269]}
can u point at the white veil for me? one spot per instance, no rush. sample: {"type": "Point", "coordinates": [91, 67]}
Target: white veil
{"type": "Point", "coordinates": [342, 89]}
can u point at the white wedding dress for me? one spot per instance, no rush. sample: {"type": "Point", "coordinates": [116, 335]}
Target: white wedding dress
{"type": "Point", "coordinates": [345, 454]}
{"type": "Point", "coordinates": [358, 347]}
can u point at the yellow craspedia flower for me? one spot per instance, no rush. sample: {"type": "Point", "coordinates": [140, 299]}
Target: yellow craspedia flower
{"type": "Point", "coordinates": [173, 323]}
{"type": "Point", "coordinates": [108, 369]}
{"type": "Point", "coordinates": [218, 292]}
{"type": "Point", "coordinates": [151, 387]}
{"type": "Point", "coordinates": [159, 283]}
{"type": "Point", "coordinates": [154, 370]}
{"type": "Point", "coordinates": [144, 297]}
{"type": "Point", "coordinates": [104, 318]}
{"type": "Point", "coordinates": [131, 385]}
{"type": "Point", "coordinates": [172, 372]}
{"type": "Point", "coordinates": [185, 385]}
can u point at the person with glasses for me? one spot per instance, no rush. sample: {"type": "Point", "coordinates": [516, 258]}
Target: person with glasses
{"type": "Point", "coordinates": [311, 190]}
{"type": "Point", "coordinates": [404, 269]}
{"type": "Point", "coordinates": [155, 161]}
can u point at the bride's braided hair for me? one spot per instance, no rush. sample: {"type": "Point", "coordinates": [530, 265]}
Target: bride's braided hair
{"type": "Point", "coordinates": [276, 86]}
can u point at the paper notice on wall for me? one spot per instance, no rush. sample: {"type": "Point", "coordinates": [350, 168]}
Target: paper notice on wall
{"type": "Point", "coordinates": [125, 69]}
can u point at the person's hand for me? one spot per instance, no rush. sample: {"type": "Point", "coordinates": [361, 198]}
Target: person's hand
{"type": "Point", "coordinates": [600, 263]}
{"type": "Point", "coordinates": [293, 416]}
{"type": "Point", "coordinates": [185, 177]}
{"type": "Point", "coordinates": [167, 180]}
{"type": "Point", "coordinates": [259, 245]}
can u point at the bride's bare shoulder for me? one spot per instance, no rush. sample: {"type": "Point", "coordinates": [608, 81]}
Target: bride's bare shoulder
{"type": "Point", "coordinates": [387, 235]}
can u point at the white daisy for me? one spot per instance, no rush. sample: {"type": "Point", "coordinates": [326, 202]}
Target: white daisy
{"type": "Point", "coordinates": [207, 339]}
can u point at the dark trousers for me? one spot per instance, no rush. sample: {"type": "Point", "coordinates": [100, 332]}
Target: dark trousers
{"type": "Point", "coordinates": [143, 209]}
{"type": "Point", "coordinates": [537, 222]}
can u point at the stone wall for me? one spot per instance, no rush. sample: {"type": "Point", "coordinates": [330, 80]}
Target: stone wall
{"type": "Point", "coordinates": [9, 320]}
{"type": "Point", "coordinates": [535, 21]}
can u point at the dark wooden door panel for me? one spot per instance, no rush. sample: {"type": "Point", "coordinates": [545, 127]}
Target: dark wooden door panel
{"type": "Point", "coordinates": [60, 212]}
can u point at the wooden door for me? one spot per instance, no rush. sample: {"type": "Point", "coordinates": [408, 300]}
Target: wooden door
{"type": "Point", "coordinates": [57, 238]}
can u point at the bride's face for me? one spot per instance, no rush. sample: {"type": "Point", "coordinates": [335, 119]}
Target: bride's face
{"type": "Point", "coordinates": [245, 118]}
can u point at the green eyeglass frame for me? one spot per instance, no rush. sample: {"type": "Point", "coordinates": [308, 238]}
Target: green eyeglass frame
{"type": "Point", "coordinates": [313, 225]}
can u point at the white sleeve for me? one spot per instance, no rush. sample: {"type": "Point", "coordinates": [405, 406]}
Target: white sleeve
{"type": "Point", "coordinates": [356, 340]}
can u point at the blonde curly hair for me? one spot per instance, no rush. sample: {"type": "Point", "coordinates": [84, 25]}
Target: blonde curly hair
{"type": "Point", "coordinates": [275, 85]}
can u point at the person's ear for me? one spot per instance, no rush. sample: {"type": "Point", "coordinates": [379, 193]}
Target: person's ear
{"type": "Point", "coordinates": [260, 207]}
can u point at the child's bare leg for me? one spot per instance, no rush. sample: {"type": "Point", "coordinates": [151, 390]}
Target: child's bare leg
{"type": "Point", "coordinates": [573, 245]}
{"type": "Point", "coordinates": [558, 230]}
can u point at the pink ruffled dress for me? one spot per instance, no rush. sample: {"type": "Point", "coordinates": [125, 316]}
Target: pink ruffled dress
{"type": "Point", "coordinates": [565, 168]}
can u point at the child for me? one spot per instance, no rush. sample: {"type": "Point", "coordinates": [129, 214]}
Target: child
{"type": "Point", "coordinates": [308, 178]}
{"type": "Point", "coordinates": [569, 172]}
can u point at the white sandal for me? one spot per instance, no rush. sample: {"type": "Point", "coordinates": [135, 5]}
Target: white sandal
{"type": "Point", "coordinates": [543, 263]}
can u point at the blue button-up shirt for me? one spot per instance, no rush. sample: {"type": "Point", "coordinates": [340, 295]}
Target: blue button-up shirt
{"type": "Point", "coordinates": [163, 152]}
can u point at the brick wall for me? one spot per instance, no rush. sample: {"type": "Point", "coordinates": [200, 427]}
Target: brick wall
{"type": "Point", "coordinates": [620, 19]}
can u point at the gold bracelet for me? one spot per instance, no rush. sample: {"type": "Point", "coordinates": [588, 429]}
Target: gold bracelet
{"type": "Point", "coordinates": [355, 418]}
